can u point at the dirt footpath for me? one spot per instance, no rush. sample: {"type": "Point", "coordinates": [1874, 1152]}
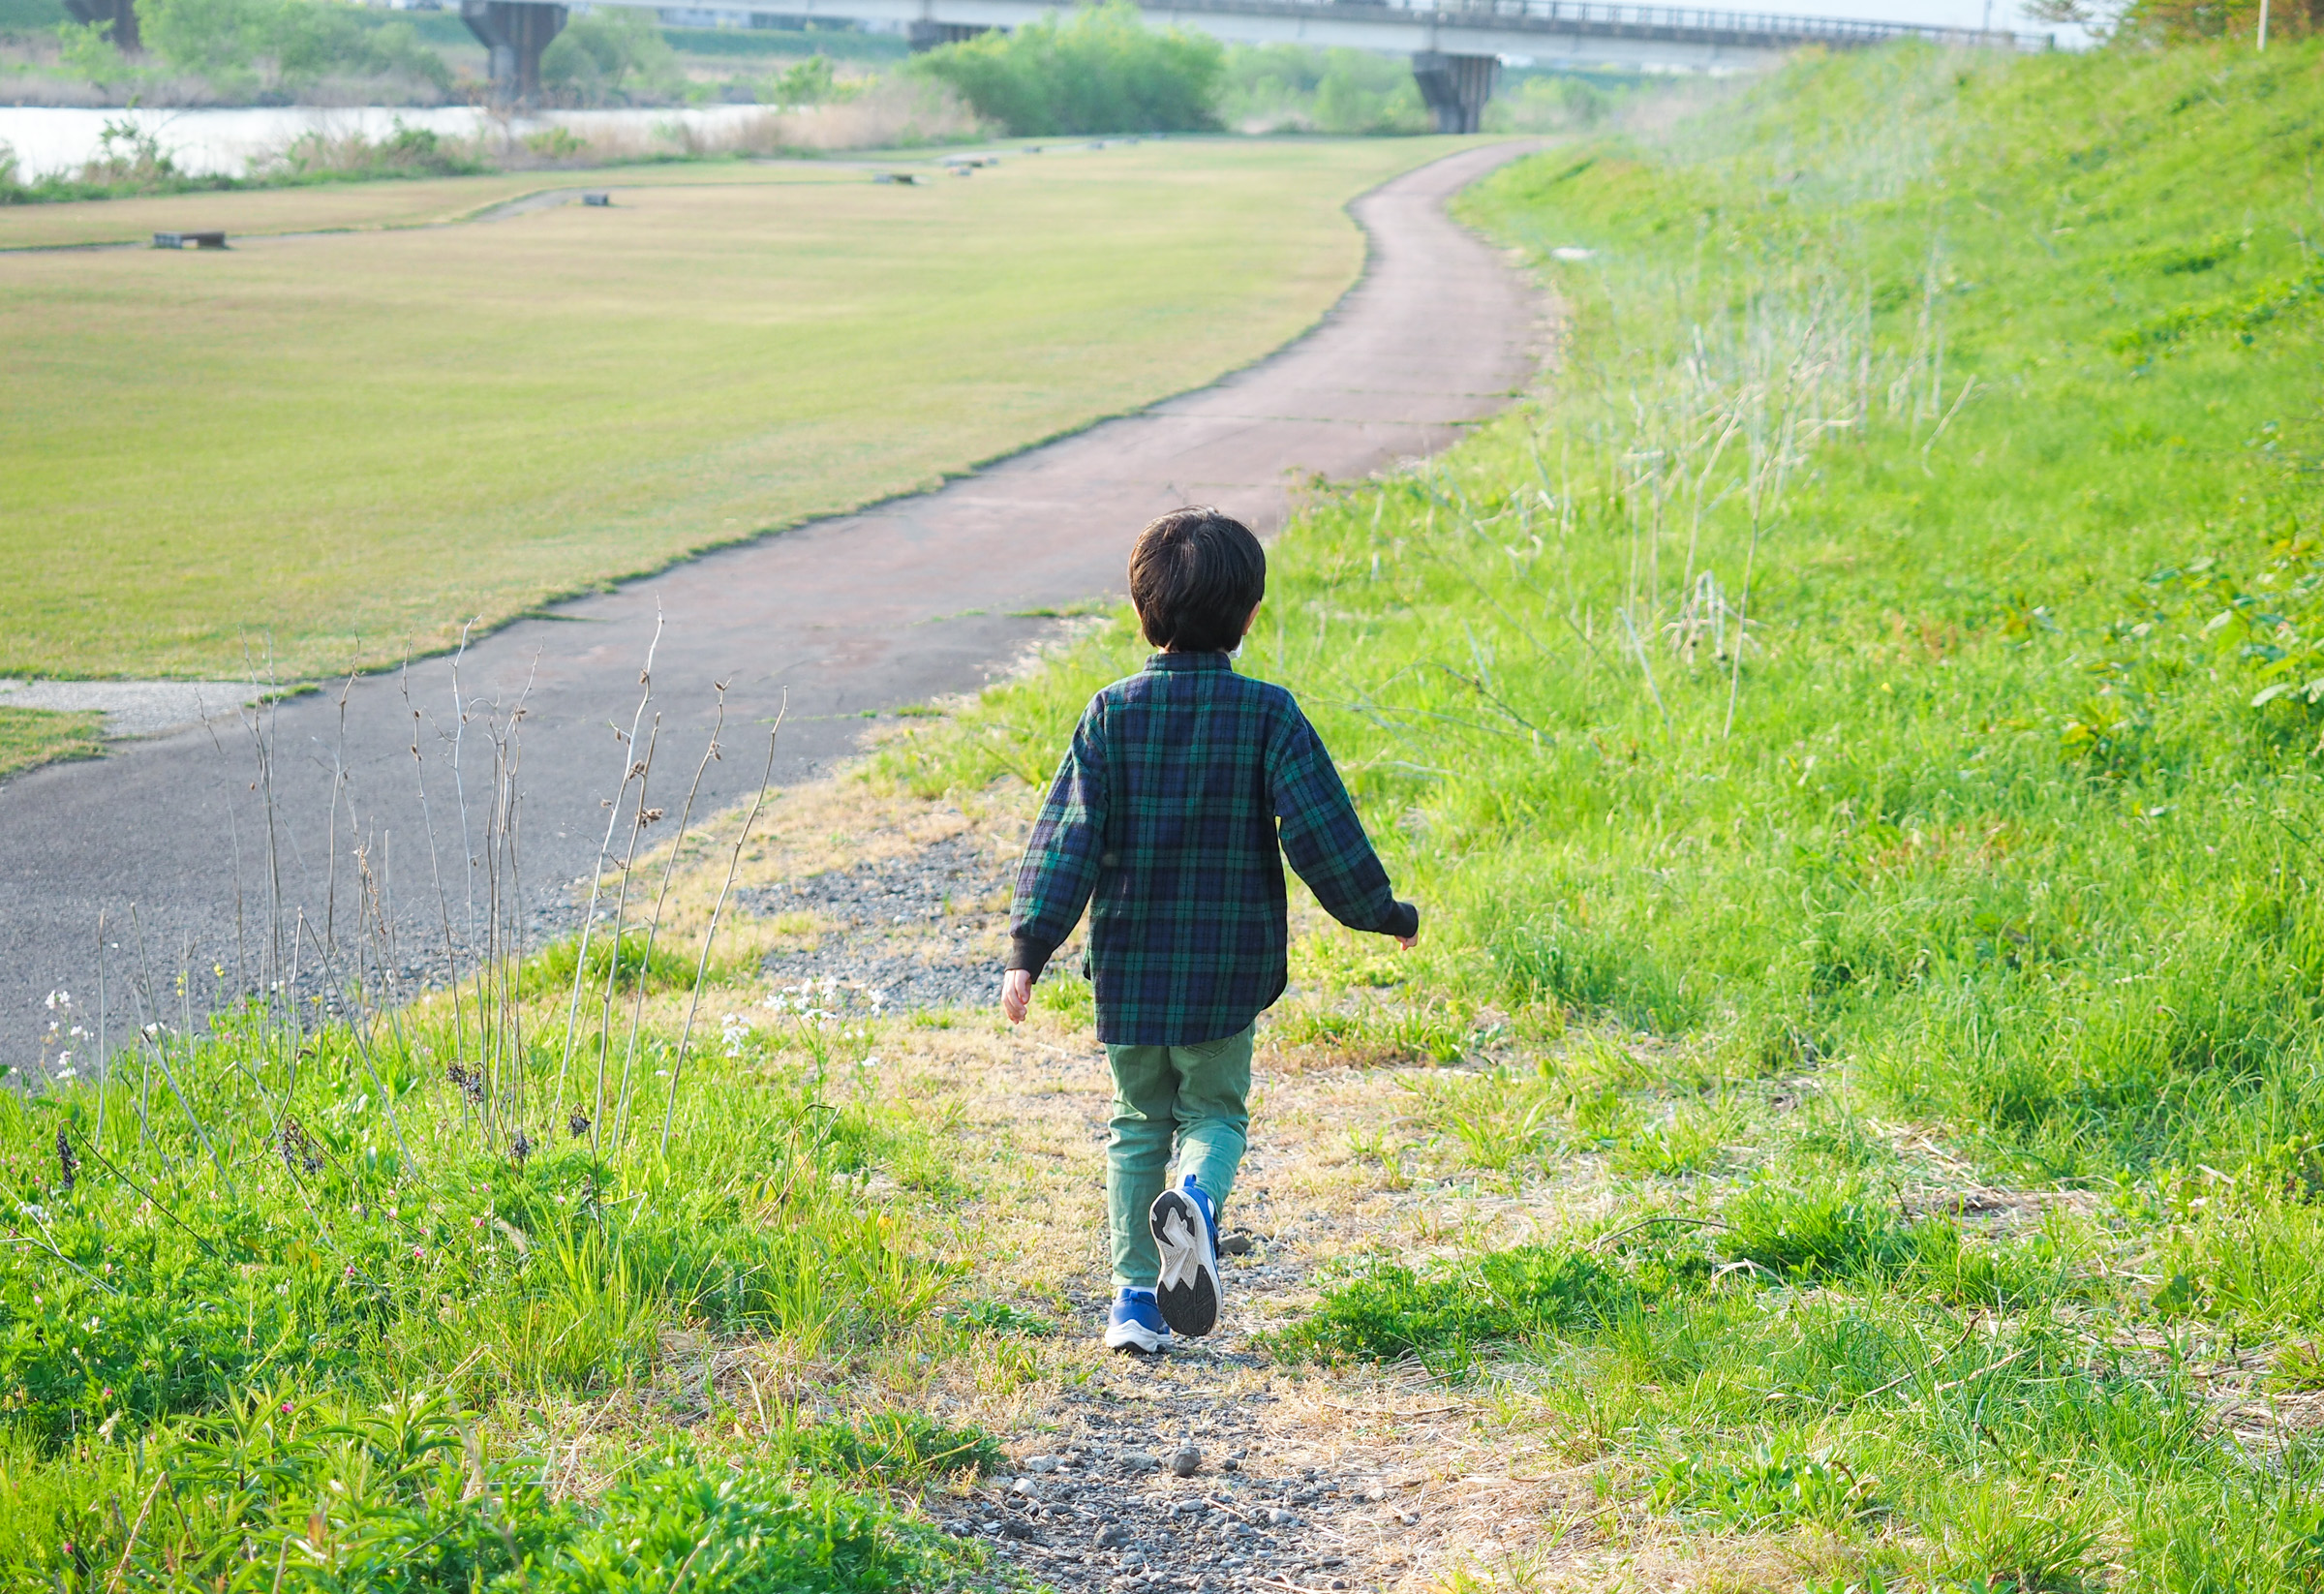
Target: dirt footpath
{"type": "Point", "coordinates": [1215, 1466]}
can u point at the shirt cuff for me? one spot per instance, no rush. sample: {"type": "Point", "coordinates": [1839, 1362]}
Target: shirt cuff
{"type": "Point", "coordinates": [1404, 922]}
{"type": "Point", "coordinates": [1028, 954]}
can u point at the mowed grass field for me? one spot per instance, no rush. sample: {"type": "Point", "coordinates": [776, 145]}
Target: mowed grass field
{"type": "Point", "coordinates": [357, 206]}
{"type": "Point", "coordinates": [335, 449]}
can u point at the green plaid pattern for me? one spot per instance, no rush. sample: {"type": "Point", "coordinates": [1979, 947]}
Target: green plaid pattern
{"type": "Point", "coordinates": [1163, 821]}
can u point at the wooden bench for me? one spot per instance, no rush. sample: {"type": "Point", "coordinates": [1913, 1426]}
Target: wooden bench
{"type": "Point", "coordinates": [189, 240]}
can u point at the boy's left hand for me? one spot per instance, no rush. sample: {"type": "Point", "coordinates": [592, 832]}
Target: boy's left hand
{"type": "Point", "coordinates": [1016, 993]}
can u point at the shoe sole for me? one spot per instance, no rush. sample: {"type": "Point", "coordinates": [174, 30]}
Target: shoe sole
{"type": "Point", "coordinates": [1188, 1290]}
{"type": "Point", "coordinates": [1129, 1336]}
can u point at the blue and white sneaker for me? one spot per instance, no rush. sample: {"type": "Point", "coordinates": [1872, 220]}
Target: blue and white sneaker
{"type": "Point", "coordinates": [1185, 1229]}
{"type": "Point", "coordinates": [1136, 1324]}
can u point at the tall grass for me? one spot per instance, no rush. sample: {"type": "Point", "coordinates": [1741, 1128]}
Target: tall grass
{"type": "Point", "coordinates": [1854, 741]}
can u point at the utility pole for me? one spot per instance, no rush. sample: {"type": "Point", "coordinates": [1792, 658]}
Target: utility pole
{"type": "Point", "coordinates": [2263, 24]}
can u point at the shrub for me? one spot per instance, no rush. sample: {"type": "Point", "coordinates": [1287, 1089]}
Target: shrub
{"type": "Point", "coordinates": [1100, 70]}
{"type": "Point", "coordinates": [1269, 88]}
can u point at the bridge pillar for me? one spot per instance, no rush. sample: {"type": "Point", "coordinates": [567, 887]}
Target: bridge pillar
{"type": "Point", "coordinates": [924, 36]}
{"type": "Point", "coordinates": [1455, 87]}
{"type": "Point", "coordinates": [515, 33]}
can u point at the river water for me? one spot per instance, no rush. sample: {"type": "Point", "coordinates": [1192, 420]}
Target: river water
{"type": "Point", "coordinates": [227, 143]}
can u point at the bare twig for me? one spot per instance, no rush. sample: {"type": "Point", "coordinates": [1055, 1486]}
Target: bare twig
{"type": "Point", "coordinates": [734, 863]}
{"type": "Point", "coordinates": [129, 1544]}
{"type": "Point", "coordinates": [1648, 1223]}
{"type": "Point", "coordinates": [597, 874]}
{"type": "Point", "coordinates": [669, 867]}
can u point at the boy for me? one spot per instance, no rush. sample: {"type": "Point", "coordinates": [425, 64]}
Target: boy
{"type": "Point", "coordinates": [1164, 818]}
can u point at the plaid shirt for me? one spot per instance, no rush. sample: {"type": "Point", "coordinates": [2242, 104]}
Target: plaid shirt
{"type": "Point", "coordinates": [1163, 821]}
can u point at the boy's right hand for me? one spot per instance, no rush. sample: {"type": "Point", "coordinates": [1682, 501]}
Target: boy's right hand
{"type": "Point", "coordinates": [1408, 942]}
{"type": "Point", "coordinates": [1016, 993]}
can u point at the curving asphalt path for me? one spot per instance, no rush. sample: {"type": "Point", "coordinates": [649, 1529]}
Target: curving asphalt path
{"type": "Point", "coordinates": [911, 599]}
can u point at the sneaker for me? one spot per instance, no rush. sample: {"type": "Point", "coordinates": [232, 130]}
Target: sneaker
{"type": "Point", "coordinates": [1136, 1323]}
{"type": "Point", "coordinates": [1186, 1231]}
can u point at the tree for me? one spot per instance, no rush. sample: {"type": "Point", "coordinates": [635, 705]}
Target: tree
{"type": "Point", "coordinates": [216, 40]}
{"type": "Point", "coordinates": [116, 20]}
{"type": "Point", "coordinates": [611, 56]}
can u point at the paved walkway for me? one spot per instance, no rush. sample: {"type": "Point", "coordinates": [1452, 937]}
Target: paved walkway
{"type": "Point", "coordinates": [914, 600]}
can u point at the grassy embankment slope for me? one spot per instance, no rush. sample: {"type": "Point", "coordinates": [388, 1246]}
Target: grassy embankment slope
{"type": "Point", "coordinates": [1908, 1031]}
{"type": "Point", "coordinates": [342, 447]}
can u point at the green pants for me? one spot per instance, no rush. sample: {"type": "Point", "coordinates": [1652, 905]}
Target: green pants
{"type": "Point", "coordinates": [1191, 1094]}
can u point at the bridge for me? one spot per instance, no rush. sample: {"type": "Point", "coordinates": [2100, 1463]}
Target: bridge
{"type": "Point", "coordinates": [1457, 49]}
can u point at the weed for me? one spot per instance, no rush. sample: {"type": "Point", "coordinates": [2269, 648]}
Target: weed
{"type": "Point", "coordinates": [999, 1317]}
{"type": "Point", "coordinates": [1447, 1318]}
{"type": "Point", "coordinates": [1779, 1482]}
{"type": "Point", "coordinates": [895, 1446]}
{"type": "Point", "coordinates": [550, 971]}
{"type": "Point", "coordinates": [1819, 1231]}
{"type": "Point", "coordinates": [2026, 1539]}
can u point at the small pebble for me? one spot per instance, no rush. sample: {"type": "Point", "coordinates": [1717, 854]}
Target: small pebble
{"type": "Point", "coordinates": [1040, 1463]}
{"type": "Point", "coordinates": [1137, 1460]}
{"type": "Point", "coordinates": [1230, 1464]}
{"type": "Point", "coordinates": [1023, 1485]}
{"type": "Point", "coordinates": [1277, 1517]}
{"type": "Point", "coordinates": [1236, 1244]}
{"type": "Point", "coordinates": [1187, 1461]}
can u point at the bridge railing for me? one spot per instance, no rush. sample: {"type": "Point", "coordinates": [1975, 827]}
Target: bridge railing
{"type": "Point", "coordinates": [1765, 24]}
{"type": "Point", "coordinates": [1698, 23]}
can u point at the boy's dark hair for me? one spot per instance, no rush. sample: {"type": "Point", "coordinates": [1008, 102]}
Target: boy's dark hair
{"type": "Point", "coordinates": [1195, 577]}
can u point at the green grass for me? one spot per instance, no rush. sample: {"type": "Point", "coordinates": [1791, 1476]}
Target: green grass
{"type": "Point", "coordinates": [1939, 964]}
{"type": "Point", "coordinates": [398, 431]}
{"type": "Point", "coordinates": [32, 737]}
{"type": "Point", "coordinates": [340, 1293]}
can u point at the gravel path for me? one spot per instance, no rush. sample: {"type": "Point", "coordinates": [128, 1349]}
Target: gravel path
{"type": "Point", "coordinates": [1125, 1497]}
{"type": "Point", "coordinates": [923, 931]}
{"type": "Point", "coordinates": [135, 708]}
